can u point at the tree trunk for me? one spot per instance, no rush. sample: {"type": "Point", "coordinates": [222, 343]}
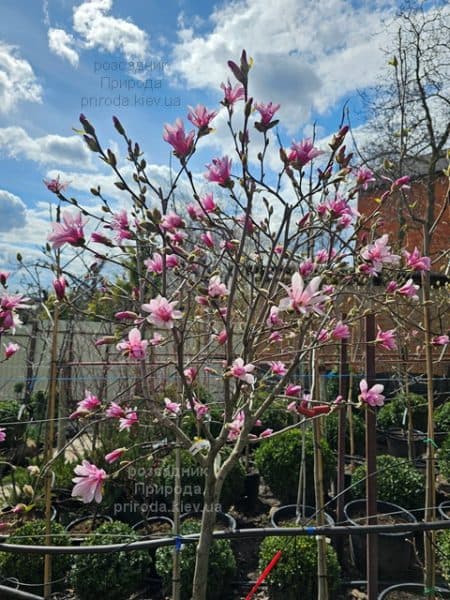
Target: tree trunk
{"type": "Point", "coordinates": [210, 496]}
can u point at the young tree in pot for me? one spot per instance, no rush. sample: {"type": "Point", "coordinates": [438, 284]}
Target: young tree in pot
{"type": "Point", "coordinates": [254, 294]}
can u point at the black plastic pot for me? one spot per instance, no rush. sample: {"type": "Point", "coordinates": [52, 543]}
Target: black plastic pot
{"type": "Point", "coordinates": [397, 442]}
{"type": "Point", "coordinates": [395, 554]}
{"type": "Point", "coordinates": [411, 587]}
{"type": "Point", "coordinates": [99, 520]}
{"type": "Point", "coordinates": [444, 509]}
{"type": "Point", "coordinates": [140, 526]}
{"type": "Point", "coordinates": [289, 511]}
{"type": "Point", "coordinates": [224, 518]}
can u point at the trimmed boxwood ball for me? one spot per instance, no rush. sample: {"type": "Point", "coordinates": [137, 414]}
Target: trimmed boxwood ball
{"type": "Point", "coordinates": [29, 568]}
{"type": "Point", "coordinates": [442, 418]}
{"type": "Point", "coordinates": [221, 569]}
{"type": "Point", "coordinates": [331, 432]}
{"type": "Point", "coordinates": [397, 482]}
{"type": "Point", "coordinates": [278, 460]}
{"type": "Point", "coordinates": [392, 413]}
{"type": "Point", "coordinates": [295, 574]}
{"type": "Point", "coordinates": [112, 575]}
{"type": "Point", "coordinates": [443, 554]}
{"type": "Point", "coordinates": [444, 458]}
{"type": "Point", "coordinates": [192, 481]}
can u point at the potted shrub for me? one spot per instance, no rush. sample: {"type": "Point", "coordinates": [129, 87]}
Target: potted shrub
{"type": "Point", "coordinates": [410, 591]}
{"type": "Point", "coordinates": [395, 553]}
{"type": "Point", "coordinates": [80, 528]}
{"type": "Point", "coordinates": [443, 545]}
{"type": "Point", "coordinates": [114, 575]}
{"type": "Point", "coordinates": [295, 574]}
{"type": "Point", "coordinates": [397, 482]}
{"type": "Point", "coordinates": [443, 462]}
{"type": "Point", "coordinates": [331, 432]}
{"type": "Point", "coordinates": [393, 419]}
{"type": "Point", "coordinates": [222, 565]}
{"type": "Point", "coordinates": [278, 460]}
{"type": "Point", "coordinates": [442, 422]}
{"type": "Point", "coordinates": [28, 569]}
{"type": "Point", "coordinates": [285, 516]}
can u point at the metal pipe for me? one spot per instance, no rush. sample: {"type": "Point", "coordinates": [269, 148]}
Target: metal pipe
{"type": "Point", "coordinates": [328, 531]}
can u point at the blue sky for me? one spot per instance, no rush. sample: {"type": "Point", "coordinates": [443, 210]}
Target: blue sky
{"type": "Point", "coordinates": [57, 59]}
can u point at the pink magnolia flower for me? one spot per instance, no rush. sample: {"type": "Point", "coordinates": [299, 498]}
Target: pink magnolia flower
{"type": "Point", "coordinates": [114, 411]}
{"type": "Point", "coordinates": [391, 287]}
{"type": "Point", "coordinates": [208, 204]}
{"type": "Point", "coordinates": [274, 319]}
{"type": "Point", "coordinates": [55, 185]}
{"type": "Point", "coordinates": [306, 267]}
{"type": "Point", "coordinates": [89, 483]}
{"type": "Point", "coordinates": [401, 182]}
{"type": "Point", "coordinates": [2, 434]}
{"type": "Point", "coordinates": [156, 339]}
{"type": "Point", "coordinates": [121, 226]}
{"type": "Point", "coordinates": [267, 112]}
{"type": "Point", "coordinates": [243, 371]}
{"type": "Point", "coordinates": [4, 277]}
{"type": "Point", "coordinates": [190, 373]}
{"type": "Point", "coordinates": [181, 142]}
{"type": "Point", "coordinates": [201, 117]}
{"type": "Point", "coordinates": [125, 315]}
{"type": "Point", "coordinates": [115, 455]}
{"type": "Point", "coordinates": [266, 433]}
{"type": "Point", "coordinates": [207, 239]}
{"type": "Point", "coordinates": [162, 312]}
{"type": "Point", "coordinates": [232, 95]}
{"type": "Point", "coordinates": [234, 428]}
{"type": "Point", "coordinates": [10, 349]}
{"type": "Point", "coordinates": [440, 340]}
{"type": "Point", "coordinates": [194, 211]}
{"type": "Point", "coordinates": [341, 331]}
{"type": "Point", "coordinates": [372, 397]}
{"type": "Point", "coordinates": [99, 238]}
{"type": "Point", "coordinates": [221, 337]}
{"type": "Point", "coordinates": [275, 337]}
{"type": "Point", "coordinates": [379, 253]}
{"type": "Point", "coordinates": [219, 171]}
{"type": "Point", "coordinates": [59, 285]}
{"type": "Point", "coordinates": [323, 336]}
{"type": "Point", "coordinates": [303, 299]}
{"type": "Point", "coordinates": [89, 403]}
{"type": "Point", "coordinates": [171, 221]}
{"type": "Point", "coordinates": [201, 410]}
{"type": "Point", "coordinates": [364, 176]}
{"type": "Point", "coordinates": [293, 391]}
{"type": "Point", "coordinates": [69, 231]}
{"type": "Point", "coordinates": [173, 408]}
{"type": "Point", "coordinates": [386, 339]}
{"type": "Point", "coordinates": [177, 237]}
{"type": "Point", "coordinates": [302, 153]}
{"type": "Point", "coordinates": [216, 288]}
{"type": "Point", "coordinates": [130, 419]}
{"type": "Point", "coordinates": [278, 367]}
{"type": "Point", "coordinates": [409, 289]}
{"type": "Point", "coordinates": [135, 347]}
{"type": "Point", "coordinates": [416, 262]}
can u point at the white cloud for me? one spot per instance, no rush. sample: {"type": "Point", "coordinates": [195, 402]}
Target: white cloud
{"type": "Point", "coordinates": [62, 43]}
{"type": "Point", "coordinates": [16, 143]}
{"type": "Point", "coordinates": [100, 30]}
{"type": "Point", "coordinates": [18, 81]}
{"type": "Point", "coordinates": [307, 54]}
{"type": "Point", "coordinates": [12, 211]}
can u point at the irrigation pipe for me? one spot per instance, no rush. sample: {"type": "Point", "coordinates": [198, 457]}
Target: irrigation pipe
{"type": "Point", "coordinates": [7, 592]}
{"type": "Point", "coordinates": [230, 535]}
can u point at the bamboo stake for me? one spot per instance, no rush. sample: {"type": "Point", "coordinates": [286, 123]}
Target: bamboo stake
{"type": "Point", "coordinates": [48, 452]}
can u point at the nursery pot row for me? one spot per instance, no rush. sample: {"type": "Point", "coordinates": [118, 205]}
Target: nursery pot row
{"type": "Point", "coordinates": [395, 553]}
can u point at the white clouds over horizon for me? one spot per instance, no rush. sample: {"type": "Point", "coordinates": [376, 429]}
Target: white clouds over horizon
{"type": "Point", "coordinates": [16, 143]}
{"type": "Point", "coordinates": [307, 55]}
{"type": "Point", "coordinates": [18, 82]}
{"type": "Point", "coordinates": [94, 27]}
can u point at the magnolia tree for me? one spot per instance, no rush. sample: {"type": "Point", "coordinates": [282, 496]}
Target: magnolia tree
{"type": "Point", "coordinates": [254, 259]}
